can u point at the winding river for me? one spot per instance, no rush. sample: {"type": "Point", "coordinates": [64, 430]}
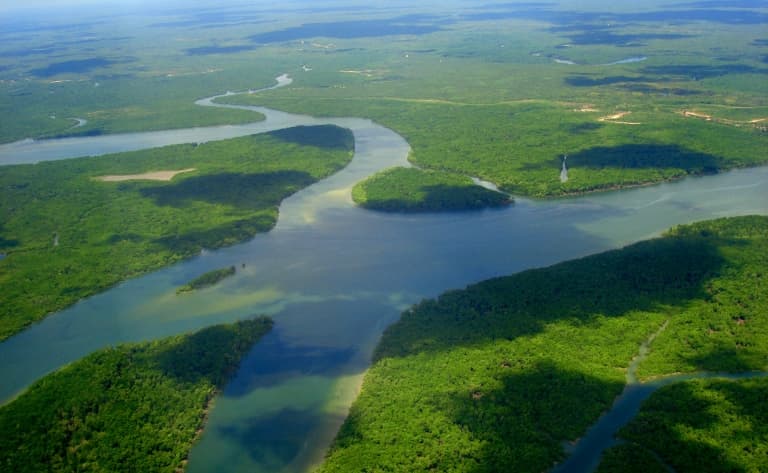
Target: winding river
{"type": "Point", "coordinates": [333, 277]}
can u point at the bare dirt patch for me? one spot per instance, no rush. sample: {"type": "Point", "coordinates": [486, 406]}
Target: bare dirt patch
{"type": "Point", "coordinates": [147, 176]}
{"type": "Point", "coordinates": [616, 118]}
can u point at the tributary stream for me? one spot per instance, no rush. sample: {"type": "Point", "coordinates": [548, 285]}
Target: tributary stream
{"type": "Point", "coordinates": [333, 276]}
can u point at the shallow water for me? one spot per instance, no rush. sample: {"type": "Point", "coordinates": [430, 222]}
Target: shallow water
{"type": "Point", "coordinates": [334, 276]}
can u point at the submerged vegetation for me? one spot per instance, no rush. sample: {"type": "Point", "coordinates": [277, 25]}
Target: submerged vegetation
{"type": "Point", "coordinates": [67, 234]}
{"type": "Point", "coordinates": [704, 425]}
{"type": "Point", "coordinates": [206, 280]}
{"type": "Point", "coordinates": [133, 407]}
{"type": "Point", "coordinates": [494, 377]}
{"type": "Point", "coordinates": [415, 190]}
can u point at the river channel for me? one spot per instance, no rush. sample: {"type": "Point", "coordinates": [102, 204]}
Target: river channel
{"type": "Point", "coordinates": [333, 276]}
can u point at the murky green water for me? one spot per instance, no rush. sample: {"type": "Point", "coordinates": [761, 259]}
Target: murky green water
{"type": "Point", "coordinates": [333, 277]}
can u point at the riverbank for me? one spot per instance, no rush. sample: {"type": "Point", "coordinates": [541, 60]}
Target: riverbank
{"type": "Point", "coordinates": [125, 408]}
{"type": "Point", "coordinates": [416, 190]}
{"type": "Point", "coordinates": [496, 375]}
{"type": "Point", "coordinates": [518, 146]}
{"type": "Point", "coordinates": [132, 222]}
{"type": "Point", "coordinates": [350, 293]}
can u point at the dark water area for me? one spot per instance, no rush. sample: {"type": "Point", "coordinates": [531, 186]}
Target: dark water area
{"type": "Point", "coordinates": [723, 4]}
{"type": "Point", "coordinates": [573, 18]}
{"type": "Point", "coordinates": [77, 66]}
{"type": "Point", "coordinates": [697, 72]}
{"type": "Point", "coordinates": [590, 81]}
{"type": "Point", "coordinates": [207, 50]}
{"type": "Point", "coordinates": [205, 18]}
{"type": "Point", "coordinates": [221, 18]}
{"type": "Point", "coordinates": [609, 38]}
{"type": "Point", "coordinates": [405, 25]}
{"type": "Point", "coordinates": [21, 53]}
{"type": "Point", "coordinates": [666, 91]}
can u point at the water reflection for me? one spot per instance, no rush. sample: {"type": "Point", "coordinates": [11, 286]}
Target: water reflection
{"type": "Point", "coordinates": [334, 276]}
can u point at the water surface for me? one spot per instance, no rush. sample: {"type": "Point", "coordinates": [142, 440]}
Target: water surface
{"type": "Point", "coordinates": [334, 276]}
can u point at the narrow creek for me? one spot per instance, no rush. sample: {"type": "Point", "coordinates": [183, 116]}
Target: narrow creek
{"type": "Point", "coordinates": [584, 457]}
{"type": "Point", "coordinates": [333, 276]}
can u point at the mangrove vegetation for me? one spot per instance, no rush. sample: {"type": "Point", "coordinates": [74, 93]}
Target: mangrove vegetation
{"type": "Point", "coordinates": [703, 425]}
{"type": "Point", "coordinates": [415, 190]}
{"type": "Point", "coordinates": [72, 228]}
{"type": "Point", "coordinates": [496, 376]}
{"type": "Point", "coordinates": [134, 407]}
{"type": "Point", "coordinates": [208, 279]}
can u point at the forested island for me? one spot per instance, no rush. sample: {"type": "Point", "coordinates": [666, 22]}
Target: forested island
{"type": "Point", "coordinates": [416, 190]}
{"type": "Point", "coordinates": [72, 228]}
{"type": "Point", "coordinates": [206, 280]}
{"type": "Point", "coordinates": [134, 407]}
{"type": "Point", "coordinates": [496, 376]}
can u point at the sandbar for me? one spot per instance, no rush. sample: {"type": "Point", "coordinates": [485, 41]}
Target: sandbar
{"type": "Point", "coordinates": [147, 176]}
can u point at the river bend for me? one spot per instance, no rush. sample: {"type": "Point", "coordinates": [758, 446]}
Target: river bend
{"type": "Point", "coordinates": [333, 276]}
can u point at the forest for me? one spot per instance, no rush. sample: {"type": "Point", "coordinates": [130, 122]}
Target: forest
{"type": "Point", "coordinates": [206, 280]}
{"type": "Point", "coordinates": [496, 376]}
{"type": "Point", "coordinates": [493, 377]}
{"type": "Point", "coordinates": [703, 425]}
{"type": "Point", "coordinates": [520, 146]}
{"type": "Point", "coordinates": [67, 234]}
{"type": "Point", "coordinates": [416, 190]}
{"type": "Point", "coordinates": [133, 407]}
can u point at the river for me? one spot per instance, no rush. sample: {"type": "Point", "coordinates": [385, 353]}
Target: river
{"type": "Point", "coordinates": [333, 277]}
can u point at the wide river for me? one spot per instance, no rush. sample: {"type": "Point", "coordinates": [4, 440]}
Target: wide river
{"type": "Point", "coordinates": [333, 277]}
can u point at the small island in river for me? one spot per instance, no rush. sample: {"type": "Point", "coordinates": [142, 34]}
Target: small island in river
{"type": "Point", "coordinates": [206, 280]}
{"type": "Point", "coordinates": [416, 190]}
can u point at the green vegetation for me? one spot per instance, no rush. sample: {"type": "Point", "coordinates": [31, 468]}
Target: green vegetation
{"type": "Point", "coordinates": [706, 425]}
{"type": "Point", "coordinates": [206, 280]}
{"type": "Point", "coordinates": [415, 190]}
{"type": "Point", "coordinates": [519, 146]}
{"type": "Point", "coordinates": [487, 98]}
{"type": "Point", "coordinates": [46, 109]}
{"type": "Point", "coordinates": [68, 235]}
{"type": "Point", "coordinates": [625, 458]}
{"type": "Point", "coordinates": [134, 407]}
{"type": "Point", "coordinates": [494, 377]}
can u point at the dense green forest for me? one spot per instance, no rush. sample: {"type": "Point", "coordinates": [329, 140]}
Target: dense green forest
{"type": "Point", "coordinates": [136, 407]}
{"type": "Point", "coordinates": [703, 425]}
{"type": "Point", "coordinates": [496, 376]}
{"type": "Point", "coordinates": [520, 146]}
{"type": "Point", "coordinates": [68, 235]}
{"type": "Point", "coordinates": [45, 109]}
{"type": "Point", "coordinates": [206, 280]}
{"type": "Point", "coordinates": [416, 190]}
